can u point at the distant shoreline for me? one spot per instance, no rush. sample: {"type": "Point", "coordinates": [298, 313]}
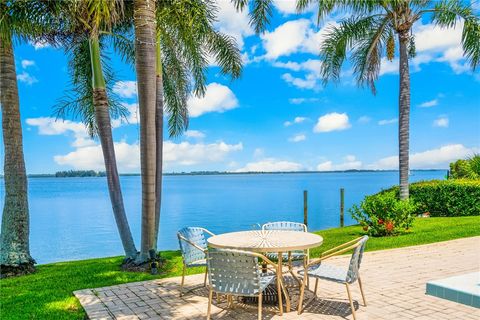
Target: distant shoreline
{"type": "Point", "coordinates": [214, 173]}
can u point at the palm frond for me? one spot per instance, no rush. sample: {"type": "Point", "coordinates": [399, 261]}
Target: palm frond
{"type": "Point", "coordinates": [77, 103]}
{"type": "Point", "coordinates": [447, 13]}
{"type": "Point", "coordinates": [226, 53]}
{"type": "Point", "coordinates": [326, 7]}
{"type": "Point", "coordinates": [338, 41]}
{"type": "Point", "coordinates": [367, 55]}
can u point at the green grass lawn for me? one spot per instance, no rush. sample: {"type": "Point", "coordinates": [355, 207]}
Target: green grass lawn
{"type": "Point", "coordinates": [47, 294]}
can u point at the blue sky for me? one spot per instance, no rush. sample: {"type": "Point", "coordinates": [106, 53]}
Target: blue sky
{"type": "Point", "coordinates": [278, 116]}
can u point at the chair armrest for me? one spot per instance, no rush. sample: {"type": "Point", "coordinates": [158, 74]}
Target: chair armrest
{"type": "Point", "coordinates": [336, 253]}
{"type": "Point", "coordinates": [208, 231]}
{"type": "Point", "coordinates": [341, 246]}
{"type": "Point", "coordinates": [192, 244]}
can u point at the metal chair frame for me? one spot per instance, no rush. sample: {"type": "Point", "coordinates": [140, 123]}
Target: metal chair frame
{"type": "Point", "coordinates": [187, 264]}
{"type": "Point", "coordinates": [358, 246]}
{"type": "Point", "coordinates": [248, 286]}
{"type": "Point", "coordinates": [290, 226]}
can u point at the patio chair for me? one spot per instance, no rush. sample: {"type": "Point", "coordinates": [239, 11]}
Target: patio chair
{"type": "Point", "coordinates": [317, 269]}
{"type": "Point", "coordinates": [288, 257]}
{"type": "Point", "coordinates": [238, 273]}
{"type": "Point", "coordinates": [193, 245]}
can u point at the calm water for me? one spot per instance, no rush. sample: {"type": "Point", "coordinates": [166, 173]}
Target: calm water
{"type": "Point", "coordinates": [71, 218]}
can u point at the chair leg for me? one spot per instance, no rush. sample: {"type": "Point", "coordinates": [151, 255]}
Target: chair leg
{"type": "Point", "coordinates": [260, 306]}
{"type": "Point", "coordinates": [205, 279]}
{"type": "Point", "coordinates": [361, 290]}
{"type": "Point", "coordinates": [305, 263]}
{"type": "Point", "coordinates": [351, 302]}
{"type": "Point", "coordinates": [183, 280]}
{"type": "Point", "coordinates": [209, 310]}
{"type": "Point", "coordinates": [316, 287]}
{"type": "Point", "coordinates": [302, 293]}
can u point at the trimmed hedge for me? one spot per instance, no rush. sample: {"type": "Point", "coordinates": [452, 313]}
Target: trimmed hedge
{"type": "Point", "coordinates": [445, 198]}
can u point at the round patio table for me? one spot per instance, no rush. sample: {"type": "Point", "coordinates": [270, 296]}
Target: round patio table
{"type": "Point", "coordinates": [262, 241]}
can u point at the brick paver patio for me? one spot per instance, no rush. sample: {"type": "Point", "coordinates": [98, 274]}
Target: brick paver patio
{"type": "Point", "coordinates": [394, 282]}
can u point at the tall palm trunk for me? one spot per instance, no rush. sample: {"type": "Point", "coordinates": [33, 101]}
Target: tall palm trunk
{"type": "Point", "coordinates": [14, 239]}
{"type": "Point", "coordinates": [145, 62]}
{"type": "Point", "coordinates": [159, 139]}
{"type": "Point", "coordinates": [102, 118]}
{"type": "Point", "coordinates": [404, 114]}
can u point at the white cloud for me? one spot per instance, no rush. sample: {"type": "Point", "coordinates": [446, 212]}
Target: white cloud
{"type": "Point", "coordinates": [310, 73]}
{"type": "Point", "coordinates": [218, 98]}
{"type": "Point", "coordinates": [194, 134]}
{"type": "Point", "coordinates": [387, 121]}
{"type": "Point", "coordinates": [50, 126]}
{"type": "Point", "coordinates": [295, 121]}
{"type": "Point", "coordinates": [27, 78]}
{"type": "Point", "coordinates": [309, 82]}
{"type": "Point", "coordinates": [270, 165]}
{"type": "Point", "coordinates": [441, 121]}
{"type": "Point", "coordinates": [292, 37]}
{"type": "Point", "coordinates": [128, 155]}
{"type": "Point", "coordinates": [332, 122]}
{"type": "Point", "coordinates": [431, 159]}
{"type": "Point", "coordinates": [350, 162]}
{"type": "Point", "coordinates": [387, 66]}
{"type": "Point", "coordinates": [185, 153]}
{"type": "Point", "coordinates": [232, 22]}
{"type": "Point", "coordinates": [39, 44]}
{"type": "Point", "coordinates": [286, 39]}
{"type": "Point", "coordinates": [91, 157]}
{"type": "Point", "coordinates": [428, 104]}
{"type": "Point", "coordinates": [27, 63]}
{"type": "Point", "coordinates": [298, 137]}
{"type": "Point", "coordinates": [125, 89]}
{"type": "Point", "coordinates": [302, 100]}
{"type": "Point", "coordinates": [132, 117]}
{"type": "Point", "coordinates": [364, 119]}
{"type": "Point", "coordinates": [285, 7]}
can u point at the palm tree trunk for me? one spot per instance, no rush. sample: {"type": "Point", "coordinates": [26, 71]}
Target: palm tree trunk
{"type": "Point", "coordinates": [14, 239]}
{"type": "Point", "coordinates": [102, 118]}
{"type": "Point", "coordinates": [159, 139]}
{"type": "Point", "coordinates": [145, 62]}
{"type": "Point", "coordinates": [404, 115]}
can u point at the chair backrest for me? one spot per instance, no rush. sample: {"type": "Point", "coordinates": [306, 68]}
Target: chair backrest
{"type": "Point", "coordinates": [285, 225]}
{"type": "Point", "coordinates": [233, 272]}
{"type": "Point", "coordinates": [191, 253]}
{"type": "Point", "coordinates": [356, 260]}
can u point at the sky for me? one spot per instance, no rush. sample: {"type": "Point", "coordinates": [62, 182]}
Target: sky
{"type": "Point", "coordinates": [278, 116]}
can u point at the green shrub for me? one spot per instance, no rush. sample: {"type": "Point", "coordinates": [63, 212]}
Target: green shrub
{"type": "Point", "coordinates": [445, 198]}
{"type": "Point", "coordinates": [384, 214]}
{"type": "Point", "coordinates": [466, 168]}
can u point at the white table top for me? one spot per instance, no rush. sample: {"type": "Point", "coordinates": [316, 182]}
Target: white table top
{"type": "Point", "coordinates": [266, 240]}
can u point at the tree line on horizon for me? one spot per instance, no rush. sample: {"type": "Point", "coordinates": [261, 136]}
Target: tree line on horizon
{"type": "Point", "coordinates": [169, 44]}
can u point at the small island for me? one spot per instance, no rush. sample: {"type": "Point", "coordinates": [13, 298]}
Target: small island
{"type": "Point", "coordinates": [79, 173]}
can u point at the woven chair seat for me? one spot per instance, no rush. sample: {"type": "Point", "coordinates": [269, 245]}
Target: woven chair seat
{"type": "Point", "coordinates": [265, 281]}
{"type": "Point", "coordinates": [198, 263]}
{"type": "Point", "coordinates": [295, 256]}
{"type": "Point", "coordinates": [328, 272]}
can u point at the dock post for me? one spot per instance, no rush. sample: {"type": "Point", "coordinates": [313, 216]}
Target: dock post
{"type": "Point", "coordinates": [342, 206]}
{"type": "Point", "coordinates": [305, 207]}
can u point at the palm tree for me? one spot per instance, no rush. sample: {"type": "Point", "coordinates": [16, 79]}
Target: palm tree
{"type": "Point", "coordinates": [369, 33]}
{"type": "Point", "coordinates": [184, 40]}
{"type": "Point", "coordinates": [88, 23]}
{"type": "Point", "coordinates": [145, 62]}
{"type": "Point", "coordinates": [19, 21]}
